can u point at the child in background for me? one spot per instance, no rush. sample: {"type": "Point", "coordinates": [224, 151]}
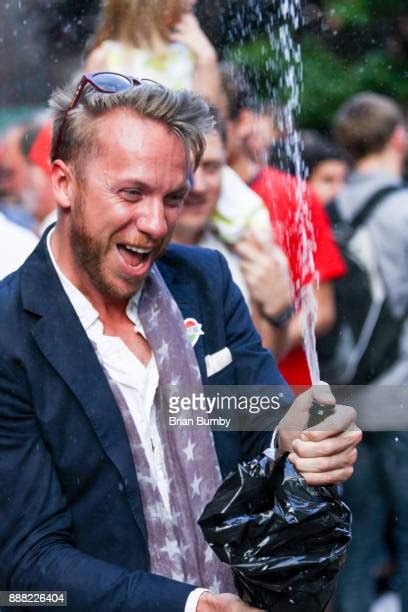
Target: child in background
{"type": "Point", "coordinates": [156, 39]}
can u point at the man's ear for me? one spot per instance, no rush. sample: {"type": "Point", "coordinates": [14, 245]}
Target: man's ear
{"type": "Point", "coordinates": [63, 184]}
{"type": "Point", "coordinates": [399, 140]}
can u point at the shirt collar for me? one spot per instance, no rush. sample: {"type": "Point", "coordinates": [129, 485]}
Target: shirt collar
{"type": "Point", "coordinates": [86, 313]}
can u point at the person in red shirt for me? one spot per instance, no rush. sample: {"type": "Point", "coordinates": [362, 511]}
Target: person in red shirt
{"type": "Point", "coordinates": [250, 135]}
{"type": "Point", "coordinates": [278, 190]}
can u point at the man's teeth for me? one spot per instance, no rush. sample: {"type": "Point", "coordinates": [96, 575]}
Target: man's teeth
{"type": "Point", "coordinates": [137, 249]}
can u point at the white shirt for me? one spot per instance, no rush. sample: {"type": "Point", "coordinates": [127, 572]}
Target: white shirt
{"type": "Point", "coordinates": [137, 383]}
{"type": "Point", "coordinates": [52, 217]}
{"type": "Point", "coordinates": [16, 244]}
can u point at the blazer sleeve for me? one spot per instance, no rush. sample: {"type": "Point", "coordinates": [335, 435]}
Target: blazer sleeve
{"type": "Point", "coordinates": [254, 365]}
{"type": "Point", "coordinates": [37, 549]}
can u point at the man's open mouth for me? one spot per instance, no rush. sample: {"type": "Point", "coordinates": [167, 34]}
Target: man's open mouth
{"type": "Point", "coordinates": [133, 256]}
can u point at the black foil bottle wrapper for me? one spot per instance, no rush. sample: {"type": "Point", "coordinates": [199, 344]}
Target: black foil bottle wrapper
{"type": "Point", "coordinates": [284, 539]}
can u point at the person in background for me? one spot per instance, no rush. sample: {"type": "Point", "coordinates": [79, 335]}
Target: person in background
{"type": "Point", "coordinates": [27, 162]}
{"type": "Point", "coordinates": [16, 244]}
{"type": "Point", "coordinates": [326, 164]}
{"type": "Point", "coordinates": [13, 163]}
{"type": "Point", "coordinates": [38, 196]}
{"type": "Point", "coordinates": [248, 143]}
{"type": "Point", "coordinates": [156, 39]}
{"type": "Point", "coordinates": [267, 290]}
{"type": "Point", "coordinates": [371, 129]}
{"type": "Point", "coordinates": [13, 171]}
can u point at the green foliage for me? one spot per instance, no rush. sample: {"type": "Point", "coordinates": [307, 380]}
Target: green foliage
{"type": "Point", "coordinates": [363, 12]}
{"type": "Point", "coordinates": [354, 12]}
{"type": "Point", "coordinates": [265, 64]}
{"type": "Point", "coordinates": [261, 61]}
{"type": "Point", "coordinates": [329, 78]}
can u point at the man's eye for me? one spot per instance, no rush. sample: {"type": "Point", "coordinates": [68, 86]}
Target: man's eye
{"type": "Point", "coordinates": [214, 166]}
{"type": "Point", "coordinates": [175, 200]}
{"type": "Point", "coordinates": [130, 194]}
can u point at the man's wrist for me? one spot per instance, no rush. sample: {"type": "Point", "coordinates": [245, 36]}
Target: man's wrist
{"type": "Point", "coordinates": [192, 603]}
{"type": "Point", "coordinates": [280, 319]}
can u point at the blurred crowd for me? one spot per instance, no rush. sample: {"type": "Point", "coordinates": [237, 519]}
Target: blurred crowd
{"type": "Point", "coordinates": [245, 201]}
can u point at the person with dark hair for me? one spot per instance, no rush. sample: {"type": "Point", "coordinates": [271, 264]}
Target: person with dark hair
{"type": "Point", "coordinates": [372, 130]}
{"type": "Point", "coordinates": [26, 161]}
{"type": "Point", "coordinates": [38, 196]}
{"type": "Point", "coordinates": [251, 131]}
{"type": "Point", "coordinates": [268, 293]}
{"type": "Point", "coordinates": [102, 496]}
{"type": "Point", "coordinates": [13, 174]}
{"type": "Point", "coordinates": [326, 164]}
{"type": "Point", "coordinates": [12, 163]}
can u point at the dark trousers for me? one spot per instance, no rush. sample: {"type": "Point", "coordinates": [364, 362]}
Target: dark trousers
{"type": "Point", "coordinates": [378, 489]}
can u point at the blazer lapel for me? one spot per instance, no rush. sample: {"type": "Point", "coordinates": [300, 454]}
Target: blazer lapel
{"type": "Point", "coordinates": [62, 340]}
{"type": "Point", "coordinates": [184, 294]}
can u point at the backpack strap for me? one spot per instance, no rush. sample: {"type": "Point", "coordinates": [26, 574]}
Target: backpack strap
{"type": "Point", "coordinates": [333, 213]}
{"type": "Point", "coordinates": [372, 203]}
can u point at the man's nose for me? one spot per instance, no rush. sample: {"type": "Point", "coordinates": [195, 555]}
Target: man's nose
{"type": "Point", "coordinates": [152, 220]}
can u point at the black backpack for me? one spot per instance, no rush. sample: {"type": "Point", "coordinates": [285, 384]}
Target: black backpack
{"type": "Point", "coordinates": [364, 342]}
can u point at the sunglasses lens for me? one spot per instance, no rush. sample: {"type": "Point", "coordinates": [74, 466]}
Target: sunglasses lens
{"type": "Point", "coordinates": [110, 82]}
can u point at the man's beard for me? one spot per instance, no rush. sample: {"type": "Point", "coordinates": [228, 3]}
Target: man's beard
{"type": "Point", "coordinates": [90, 254]}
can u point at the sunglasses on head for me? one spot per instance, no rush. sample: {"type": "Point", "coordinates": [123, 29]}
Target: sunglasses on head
{"type": "Point", "coordinates": [104, 82]}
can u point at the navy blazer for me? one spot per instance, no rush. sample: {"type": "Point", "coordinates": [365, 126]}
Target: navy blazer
{"type": "Point", "coordinates": [71, 515]}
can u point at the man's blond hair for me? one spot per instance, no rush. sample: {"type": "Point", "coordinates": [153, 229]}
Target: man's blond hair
{"type": "Point", "coordinates": [183, 112]}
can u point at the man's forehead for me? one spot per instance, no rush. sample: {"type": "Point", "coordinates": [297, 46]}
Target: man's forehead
{"type": "Point", "coordinates": [122, 123]}
{"type": "Point", "coordinates": [123, 135]}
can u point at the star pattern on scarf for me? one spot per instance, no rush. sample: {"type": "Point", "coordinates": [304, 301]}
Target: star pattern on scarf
{"type": "Point", "coordinates": [135, 446]}
{"type": "Point", "coordinates": [175, 517]}
{"type": "Point", "coordinates": [196, 369]}
{"type": "Point", "coordinates": [148, 479]}
{"type": "Point", "coordinates": [195, 485]}
{"type": "Point", "coordinates": [216, 585]}
{"type": "Point", "coordinates": [174, 307]}
{"type": "Point", "coordinates": [153, 314]}
{"type": "Point", "coordinates": [177, 576]}
{"type": "Point", "coordinates": [163, 352]}
{"type": "Point", "coordinates": [175, 541]}
{"type": "Point", "coordinates": [190, 579]}
{"type": "Point", "coordinates": [155, 512]}
{"type": "Point", "coordinates": [184, 548]}
{"type": "Point", "coordinates": [171, 549]}
{"type": "Point", "coordinates": [189, 450]}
